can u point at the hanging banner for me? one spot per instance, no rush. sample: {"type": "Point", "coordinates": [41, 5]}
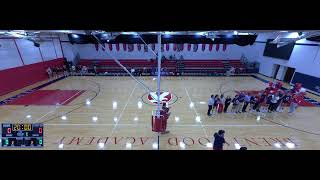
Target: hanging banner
{"type": "Point", "coordinates": [203, 47]}
{"type": "Point", "coordinates": [195, 47]}
{"type": "Point", "coordinates": [145, 47]}
{"type": "Point", "coordinates": [110, 47]}
{"type": "Point", "coordinates": [224, 47]}
{"type": "Point", "coordinates": [130, 47]}
{"type": "Point", "coordinates": [139, 47]}
{"type": "Point", "coordinates": [97, 47]}
{"type": "Point", "coordinates": [210, 47]}
{"type": "Point", "coordinates": [217, 47]}
{"type": "Point", "coordinates": [124, 47]}
{"type": "Point", "coordinates": [118, 47]}
{"type": "Point", "coordinates": [180, 47]}
{"type": "Point", "coordinates": [167, 47]}
{"type": "Point", "coordinates": [189, 47]}
{"type": "Point", "coordinates": [174, 47]}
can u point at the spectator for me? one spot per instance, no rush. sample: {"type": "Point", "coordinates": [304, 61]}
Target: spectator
{"type": "Point", "coordinates": [227, 103]}
{"type": "Point", "coordinates": [210, 104]}
{"type": "Point", "coordinates": [247, 98]}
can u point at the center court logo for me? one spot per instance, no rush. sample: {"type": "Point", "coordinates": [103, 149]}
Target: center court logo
{"type": "Point", "coordinates": [165, 97]}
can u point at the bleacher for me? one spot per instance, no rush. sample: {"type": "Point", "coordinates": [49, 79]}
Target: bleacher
{"type": "Point", "coordinates": [180, 67]}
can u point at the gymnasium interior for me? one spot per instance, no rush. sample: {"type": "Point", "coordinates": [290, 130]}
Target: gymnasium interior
{"type": "Point", "coordinates": [102, 90]}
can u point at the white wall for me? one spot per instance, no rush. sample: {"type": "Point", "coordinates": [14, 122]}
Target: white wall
{"type": "Point", "coordinates": [304, 58]}
{"type": "Point", "coordinates": [9, 56]}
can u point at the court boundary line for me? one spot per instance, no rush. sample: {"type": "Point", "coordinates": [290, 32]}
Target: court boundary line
{"type": "Point", "coordinates": [121, 113]}
{"type": "Point", "coordinates": [57, 107]}
{"type": "Point", "coordinates": [197, 114]}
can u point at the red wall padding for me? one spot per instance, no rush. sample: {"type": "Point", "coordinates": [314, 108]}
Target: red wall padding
{"type": "Point", "coordinates": [17, 78]}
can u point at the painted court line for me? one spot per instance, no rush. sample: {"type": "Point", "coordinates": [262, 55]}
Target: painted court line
{"type": "Point", "coordinates": [57, 107]}
{"type": "Point", "coordinates": [205, 132]}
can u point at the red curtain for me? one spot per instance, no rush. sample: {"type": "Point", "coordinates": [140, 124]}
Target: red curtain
{"type": "Point", "coordinates": [124, 47]}
{"type": "Point", "coordinates": [97, 47]}
{"type": "Point", "coordinates": [174, 47]}
{"type": "Point", "coordinates": [217, 47]}
{"type": "Point", "coordinates": [139, 47]}
{"type": "Point", "coordinates": [189, 47]}
{"type": "Point", "coordinates": [110, 47]}
{"type": "Point", "coordinates": [224, 47]}
{"type": "Point", "coordinates": [117, 47]}
{"type": "Point", "coordinates": [167, 47]}
{"type": "Point", "coordinates": [210, 47]}
{"type": "Point", "coordinates": [203, 47]}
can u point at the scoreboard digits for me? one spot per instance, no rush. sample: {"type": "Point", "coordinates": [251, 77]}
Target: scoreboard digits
{"type": "Point", "coordinates": [22, 135]}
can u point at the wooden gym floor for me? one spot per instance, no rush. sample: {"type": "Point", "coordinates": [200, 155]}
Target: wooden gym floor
{"type": "Point", "coordinates": [117, 127]}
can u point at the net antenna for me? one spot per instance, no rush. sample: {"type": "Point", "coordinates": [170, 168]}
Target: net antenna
{"type": "Point", "coordinates": [145, 87]}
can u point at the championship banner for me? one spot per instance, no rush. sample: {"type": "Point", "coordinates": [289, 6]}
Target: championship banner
{"type": "Point", "coordinates": [110, 47]}
{"type": "Point", "coordinates": [174, 47]}
{"type": "Point", "coordinates": [203, 47]}
{"type": "Point", "coordinates": [195, 47]}
{"type": "Point", "coordinates": [189, 47]}
{"type": "Point", "coordinates": [210, 47]}
{"type": "Point", "coordinates": [167, 47]}
{"type": "Point", "coordinates": [124, 47]}
{"type": "Point", "coordinates": [130, 47]}
{"type": "Point", "coordinates": [118, 47]}
{"type": "Point", "coordinates": [217, 47]}
{"type": "Point", "coordinates": [224, 47]}
{"type": "Point", "coordinates": [139, 47]}
{"type": "Point", "coordinates": [145, 47]}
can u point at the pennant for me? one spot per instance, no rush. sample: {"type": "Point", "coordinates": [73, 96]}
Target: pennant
{"type": "Point", "coordinates": [203, 47]}
{"type": "Point", "coordinates": [118, 47]}
{"type": "Point", "coordinates": [217, 47]}
{"type": "Point", "coordinates": [210, 47]}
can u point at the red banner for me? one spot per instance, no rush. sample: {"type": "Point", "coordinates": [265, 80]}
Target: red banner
{"type": "Point", "coordinates": [110, 47]}
{"type": "Point", "coordinates": [210, 47]}
{"type": "Point", "coordinates": [224, 47]}
{"type": "Point", "coordinates": [117, 47]}
{"type": "Point", "coordinates": [174, 47]}
{"type": "Point", "coordinates": [167, 47]}
{"type": "Point", "coordinates": [189, 47]}
{"type": "Point", "coordinates": [217, 47]}
{"type": "Point", "coordinates": [124, 47]}
{"type": "Point", "coordinates": [203, 47]}
{"type": "Point", "coordinates": [139, 47]}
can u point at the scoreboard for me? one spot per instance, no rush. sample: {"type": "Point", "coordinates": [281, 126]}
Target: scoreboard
{"type": "Point", "coordinates": [22, 135]}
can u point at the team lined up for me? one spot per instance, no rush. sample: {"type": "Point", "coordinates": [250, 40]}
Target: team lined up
{"type": "Point", "coordinates": [241, 101]}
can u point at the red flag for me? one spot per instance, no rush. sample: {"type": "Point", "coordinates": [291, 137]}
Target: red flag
{"type": "Point", "coordinates": [217, 47]}
{"type": "Point", "coordinates": [189, 47]}
{"type": "Point", "coordinates": [224, 47]}
{"type": "Point", "coordinates": [124, 47]}
{"type": "Point", "coordinates": [110, 47]}
{"type": "Point", "coordinates": [203, 47]}
{"type": "Point", "coordinates": [210, 47]}
{"type": "Point", "coordinates": [117, 47]}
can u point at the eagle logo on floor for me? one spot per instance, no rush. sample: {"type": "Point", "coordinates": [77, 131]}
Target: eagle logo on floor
{"type": "Point", "coordinates": [165, 97]}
